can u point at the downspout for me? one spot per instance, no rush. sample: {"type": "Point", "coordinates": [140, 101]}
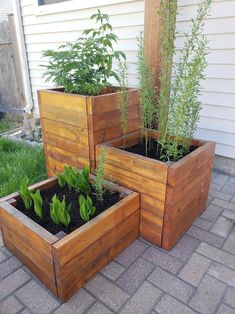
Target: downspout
{"type": "Point", "coordinates": [23, 56]}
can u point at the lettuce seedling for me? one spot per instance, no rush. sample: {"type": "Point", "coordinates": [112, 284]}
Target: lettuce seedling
{"type": "Point", "coordinates": [25, 193]}
{"type": "Point", "coordinates": [37, 200]}
{"type": "Point", "coordinates": [86, 207]}
{"type": "Point", "coordinates": [59, 211]}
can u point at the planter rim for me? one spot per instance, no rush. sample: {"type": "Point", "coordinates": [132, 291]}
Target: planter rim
{"type": "Point", "coordinates": [58, 91]}
{"type": "Point", "coordinates": [7, 203]}
{"type": "Point", "coordinates": [172, 164]}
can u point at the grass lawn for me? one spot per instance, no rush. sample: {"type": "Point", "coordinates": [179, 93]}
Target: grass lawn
{"type": "Point", "coordinates": [8, 125]}
{"type": "Point", "coordinates": [18, 161]}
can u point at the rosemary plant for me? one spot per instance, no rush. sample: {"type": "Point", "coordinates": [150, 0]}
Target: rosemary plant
{"type": "Point", "coordinates": [147, 94]}
{"type": "Point", "coordinates": [185, 107]}
{"type": "Point", "coordinates": [167, 14]}
{"type": "Point", "coordinates": [123, 98]}
{"type": "Point", "coordinates": [99, 183]}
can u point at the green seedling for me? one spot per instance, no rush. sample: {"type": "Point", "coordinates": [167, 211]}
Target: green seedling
{"type": "Point", "coordinates": [59, 211]}
{"type": "Point", "coordinates": [86, 207]}
{"type": "Point", "coordinates": [25, 193]}
{"type": "Point", "coordinates": [37, 200]}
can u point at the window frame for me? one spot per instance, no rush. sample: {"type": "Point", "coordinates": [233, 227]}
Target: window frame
{"type": "Point", "coordinates": [71, 5]}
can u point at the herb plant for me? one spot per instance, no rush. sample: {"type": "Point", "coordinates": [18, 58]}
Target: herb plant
{"type": "Point", "coordinates": [123, 98]}
{"type": "Point", "coordinates": [85, 67]}
{"type": "Point", "coordinates": [184, 106]}
{"type": "Point", "coordinates": [59, 211]}
{"type": "Point", "coordinates": [167, 14]}
{"type": "Point", "coordinates": [37, 201]}
{"type": "Point", "coordinates": [86, 207]}
{"type": "Point", "coordinates": [99, 183]}
{"type": "Point", "coordinates": [147, 93]}
{"type": "Point", "coordinates": [25, 193]}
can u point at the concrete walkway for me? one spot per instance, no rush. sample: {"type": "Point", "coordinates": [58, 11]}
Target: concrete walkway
{"type": "Point", "coordinates": [197, 276]}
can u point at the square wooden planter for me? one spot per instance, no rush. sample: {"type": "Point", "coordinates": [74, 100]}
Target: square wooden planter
{"type": "Point", "coordinates": [73, 124]}
{"type": "Point", "coordinates": [172, 196]}
{"type": "Point", "coordinates": [64, 265]}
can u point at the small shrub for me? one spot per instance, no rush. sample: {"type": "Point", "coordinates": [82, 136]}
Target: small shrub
{"type": "Point", "coordinates": [123, 98]}
{"type": "Point", "coordinates": [84, 67]}
{"type": "Point", "coordinates": [99, 183]}
{"type": "Point", "coordinates": [147, 93]}
{"type": "Point", "coordinates": [59, 211]}
{"type": "Point", "coordinates": [37, 200]}
{"type": "Point", "coordinates": [87, 209]}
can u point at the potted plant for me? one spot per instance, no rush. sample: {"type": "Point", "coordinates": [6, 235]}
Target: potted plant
{"type": "Point", "coordinates": [84, 109]}
{"type": "Point", "coordinates": [168, 167]}
{"type": "Point", "coordinates": [66, 229]}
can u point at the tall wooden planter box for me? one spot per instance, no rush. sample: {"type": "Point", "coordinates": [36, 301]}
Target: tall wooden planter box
{"type": "Point", "coordinates": [172, 196]}
{"type": "Point", "coordinates": [64, 265]}
{"type": "Point", "coordinates": [73, 124]}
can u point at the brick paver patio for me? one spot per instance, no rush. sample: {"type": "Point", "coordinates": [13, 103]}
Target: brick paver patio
{"type": "Point", "coordinates": [197, 276]}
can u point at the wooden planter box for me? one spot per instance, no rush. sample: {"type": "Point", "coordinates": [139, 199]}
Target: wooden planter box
{"type": "Point", "coordinates": [172, 196]}
{"type": "Point", "coordinates": [64, 265]}
{"type": "Point", "coordinates": [73, 124]}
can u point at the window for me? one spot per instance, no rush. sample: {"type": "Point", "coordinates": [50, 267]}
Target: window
{"type": "Point", "coordinates": [43, 2]}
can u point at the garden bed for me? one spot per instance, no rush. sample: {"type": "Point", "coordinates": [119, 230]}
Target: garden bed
{"type": "Point", "coordinates": [73, 124]}
{"type": "Point", "coordinates": [172, 194]}
{"type": "Point", "coordinates": [64, 265]}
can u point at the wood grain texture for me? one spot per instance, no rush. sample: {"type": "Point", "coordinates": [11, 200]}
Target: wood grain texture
{"type": "Point", "coordinates": [76, 123]}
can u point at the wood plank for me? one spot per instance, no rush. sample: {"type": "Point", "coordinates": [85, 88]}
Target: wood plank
{"type": "Point", "coordinates": [48, 282]}
{"type": "Point", "coordinates": [35, 235]}
{"type": "Point", "coordinates": [152, 36]}
{"type": "Point", "coordinates": [130, 139]}
{"type": "Point", "coordinates": [150, 235]}
{"type": "Point", "coordinates": [95, 228]}
{"type": "Point", "coordinates": [112, 118]}
{"type": "Point", "coordinates": [70, 117]}
{"type": "Point", "coordinates": [110, 102]}
{"type": "Point", "coordinates": [143, 166]}
{"type": "Point", "coordinates": [33, 254]}
{"type": "Point", "coordinates": [111, 133]}
{"type": "Point", "coordinates": [136, 182]}
{"type": "Point", "coordinates": [61, 157]}
{"type": "Point", "coordinates": [152, 205]}
{"type": "Point", "coordinates": [101, 244]}
{"type": "Point", "coordinates": [60, 100]}
{"type": "Point", "coordinates": [96, 265]}
{"type": "Point", "coordinates": [151, 221]}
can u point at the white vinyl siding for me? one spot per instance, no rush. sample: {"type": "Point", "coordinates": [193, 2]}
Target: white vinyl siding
{"type": "Point", "coordinates": [48, 29]}
{"type": "Point", "coordinates": [5, 9]}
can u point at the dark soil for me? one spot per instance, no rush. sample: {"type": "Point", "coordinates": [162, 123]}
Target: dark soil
{"type": "Point", "coordinates": [71, 197]}
{"type": "Point", "coordinates": [154, 150]}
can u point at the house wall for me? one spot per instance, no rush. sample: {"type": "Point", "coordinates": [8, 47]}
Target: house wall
{"type": "Point", "coordinates": [5, 9]}
{"type": "Point", "coordinates": [49, 27]}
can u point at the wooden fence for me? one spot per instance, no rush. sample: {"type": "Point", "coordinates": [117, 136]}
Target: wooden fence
{"type": "Point", "coordinates": [12, 98]}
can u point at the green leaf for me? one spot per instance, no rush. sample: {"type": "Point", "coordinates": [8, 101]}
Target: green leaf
{"type": "Point", "coordinates": [25, 193]}
{"type": "Point", "coordinates": [37, 199]}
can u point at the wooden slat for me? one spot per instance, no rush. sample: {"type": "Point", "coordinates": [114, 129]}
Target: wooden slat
{"type": "Point", "coordinates": [89, 232]}
{"type": "Point", "coordinates": [143, 166]}
{"type": "Point", "coordinates": [110, 102]}
{"type": "Point", "coordinates": [59, 158]}
{"type": "Point", "coordinates": [47, 281]}
{"type": "Point", "coordinates": [77, 119]}
{"type": "Point", "coordinates": [150, 235]}
{"type": "Point", "coordinates": [64, 101]}
{"type": "Point", "coordinates": [35, 235]}
{"type": "Point", "coordinates": [153, 205]}
{"type": "Point", "coordinates": [101, 244]}
{"type": "Point", "coordinates": [136, 182]}
{"type": "Point", "coordinates": [151, 221]}
{"type": "Point", "coordinates": [152, 36]}
{"type": "Point", "coordinates": [97, 264]}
